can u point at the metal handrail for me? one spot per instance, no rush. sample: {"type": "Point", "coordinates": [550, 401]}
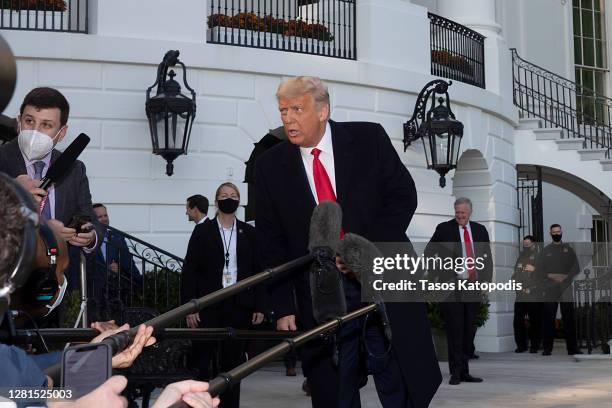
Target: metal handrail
{"type": "Point", "coordinates": [559, 102]}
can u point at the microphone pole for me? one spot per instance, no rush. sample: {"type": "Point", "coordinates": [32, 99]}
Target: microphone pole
{"type": "Point", "coordinates": [120, 341]}
{"type": "Point", "coordinates": [224, 381]}
{"type": "Point", "coordinates": [68, 335]}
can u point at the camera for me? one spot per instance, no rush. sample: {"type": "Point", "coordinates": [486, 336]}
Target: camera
{"type": "Point", "coordinates": [77, 223]}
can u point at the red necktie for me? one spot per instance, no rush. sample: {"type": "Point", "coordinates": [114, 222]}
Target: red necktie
{"type": "Point", "coordinates": [322, 182]}
{"type": "Point", "coordinates": [325, 191]}
{"type": "Point", "coordinates": [469, 252]}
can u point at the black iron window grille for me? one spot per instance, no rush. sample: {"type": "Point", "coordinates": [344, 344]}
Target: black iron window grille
{"type": "Point", "coordinates": [44, 15]}
{"type": "Point", "coordinates": [457, 52]}
{"type": "Point", "coordinates": [319, 27]}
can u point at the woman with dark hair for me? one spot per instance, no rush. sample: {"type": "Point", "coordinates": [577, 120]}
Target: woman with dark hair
{"type": "Point", "coordinates": [221, 252]}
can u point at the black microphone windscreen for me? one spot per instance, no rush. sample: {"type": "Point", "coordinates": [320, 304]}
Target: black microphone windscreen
{"type": "Point", "coordinates": [358, 254]}
{"type": "Point", "coordinates": [63, 163]}
{"type": "Point", "coordinates": [326, 289]}
{"type": "Point", "coordinates": [325, 226]}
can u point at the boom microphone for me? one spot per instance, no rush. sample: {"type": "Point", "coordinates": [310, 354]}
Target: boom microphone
{"type": "Point", "coordinates": [326, 220]}
{"type": "Point", "coordinates": [326, 289]}
{"type": "Point", "coordinates": [358, 254]}
{"type": "Point", "coordinates": [63, 163]}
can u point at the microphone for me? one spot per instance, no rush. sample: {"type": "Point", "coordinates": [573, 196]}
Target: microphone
{"type": "Point", "coordinates": [326, 289]}
{"type": "Point", "coordinates": [358, 254]}
{"type": "Point", "coordinates": [63, 163]}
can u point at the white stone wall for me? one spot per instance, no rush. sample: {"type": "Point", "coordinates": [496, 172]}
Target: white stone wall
{"type": "Point", "coordinates": [105, 76]}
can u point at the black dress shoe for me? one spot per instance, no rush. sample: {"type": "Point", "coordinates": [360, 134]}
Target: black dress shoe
{"type": "Point", "coordinates": [520, 350]}
{"type": "Point", "coordinates": [454, 381]}
{"type": "Point", "coordinates": [468, 378]}
{"type": "Point", "coordinates": [533, 350]}
{"type": "Point", "coordinates": [571, 353]}
{"type": "Point", "coordinates": [546, 353]}
{"type": "Point", "coordinates": [474, 356]}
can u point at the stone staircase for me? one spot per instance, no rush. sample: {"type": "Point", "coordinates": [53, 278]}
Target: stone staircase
{"type": "Point", "coordinates": [550, 147]}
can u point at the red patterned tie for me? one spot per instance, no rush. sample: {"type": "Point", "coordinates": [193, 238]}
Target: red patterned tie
{"type": "Point", "coordinates": [469, 252]}
{"type": "Point", "coordinates": [325, 191]}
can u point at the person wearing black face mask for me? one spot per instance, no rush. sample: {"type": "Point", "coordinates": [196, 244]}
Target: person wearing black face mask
{"type": "Point", "coordinates": [222, 251]}
{"type": "Point", "coordinates": [526, 299]}
{"type": "Point", "coordinates": [557, 266]}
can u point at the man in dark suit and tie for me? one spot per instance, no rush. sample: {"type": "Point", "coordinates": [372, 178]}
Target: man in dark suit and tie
{"type": "Point", "coordinates": [461, 239]}
{"type": "Point", "coordinates": [114, 275]}
{"type": "Point", "coordinates": [42, 125]}
{"type": "Point", "coordinates": [355, 164]}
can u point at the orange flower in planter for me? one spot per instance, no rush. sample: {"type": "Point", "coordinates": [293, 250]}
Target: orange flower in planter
{"type": "Point", "coordinates": [40, 5]}
{"type": "Point", "coordinates": [269, 24]}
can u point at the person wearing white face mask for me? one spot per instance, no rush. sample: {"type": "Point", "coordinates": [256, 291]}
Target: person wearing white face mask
{"type": "Point", "coordinates": [42, 124]}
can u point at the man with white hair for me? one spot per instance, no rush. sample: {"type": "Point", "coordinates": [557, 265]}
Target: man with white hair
{"type": "Point", "coordinates": [460, 238]}
{"type": "Point", "coordinates": [355, 164]}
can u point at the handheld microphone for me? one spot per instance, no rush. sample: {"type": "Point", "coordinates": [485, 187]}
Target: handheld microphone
{"type": "Point", "coordinates": [63, 163]}
{"type": "Point", "coordinates": [326, 289]}
{"type": "Point", "coordinates": [358, 254]}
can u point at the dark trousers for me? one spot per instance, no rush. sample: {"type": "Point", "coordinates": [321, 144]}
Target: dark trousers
{"type": "Point", "coordinates": [459, 320]}
{"type": "Point", "coordinates": [532, 310]}
{"type": "Point", "coordinates": [214, 358]}
{"type": "Point", "coordinates": [549, 312]}
{"type": "Point", "coordinates": [337, 385]}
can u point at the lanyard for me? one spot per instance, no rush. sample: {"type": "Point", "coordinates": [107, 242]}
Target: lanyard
{"type": "Point", "coordinates": [227, 245]}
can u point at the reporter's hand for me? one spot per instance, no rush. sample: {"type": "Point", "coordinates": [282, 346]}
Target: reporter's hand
{"type": "Point", "coordinates": [257, 318]}
{"type": "Point", "coordinates": [66, 233]}
{"type": "Point", "coordinates": [142, 339]}
{"type": "Point", "coordinates": [286, 323]}
{"type": "Point", "coordinates": [114, 266]}
{"type": "Point", "coordinates": [193, 320]}
{"type": "Point", "coordinates": [108, 395]}
{"type": "Point", "coordinates": [191, 392]}
{"type": "Point", "coordinates": [83, 239]}
{"type": "Point", "coordinates": [104, 326]}
{"type": "Point", "coordinates": [32, 186]}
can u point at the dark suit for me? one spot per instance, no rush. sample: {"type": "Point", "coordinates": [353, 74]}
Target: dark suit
{"type": "Point", "coordinates": [72, 197]}
{"type": "Point", "coordinates": [104, 285]}
{"type": "Point", "coordinates": [378, 199]}
{"type": "Point", "coordinates": [460, 309]}
{"type": "Point", "coordinates": [202, 274]}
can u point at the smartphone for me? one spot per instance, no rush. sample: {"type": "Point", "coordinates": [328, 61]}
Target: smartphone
{"type": "Point", "coordinates": [85, 367]}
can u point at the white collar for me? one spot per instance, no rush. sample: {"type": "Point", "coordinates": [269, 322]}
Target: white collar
{"type": "Point", "coordinates": [325, 144]}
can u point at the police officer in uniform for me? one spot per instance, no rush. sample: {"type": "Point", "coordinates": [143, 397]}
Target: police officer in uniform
{"type": "Point", "coordinates": [526, 303]}
{"type": "Point", "coordinates": [557, 266]}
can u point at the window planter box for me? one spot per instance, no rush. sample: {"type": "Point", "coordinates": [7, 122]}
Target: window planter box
{"type": "Point", "coordinates": [259, 39]}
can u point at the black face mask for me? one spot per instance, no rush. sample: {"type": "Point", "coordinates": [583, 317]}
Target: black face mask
{"type": "Point", "coordinates": [228, 205]}
{"type": "Point", "coordinates": [556, 237]}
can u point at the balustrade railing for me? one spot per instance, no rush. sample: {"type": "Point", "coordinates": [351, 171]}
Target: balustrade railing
{"type": "Point", "coordinates": [319, 27]}
{"type": "Point", "coordinates": [44, 15]}
{"type": "Point", "coordinates": [561, 103]}
{"type": "Point", "coordinates": [457, 52]}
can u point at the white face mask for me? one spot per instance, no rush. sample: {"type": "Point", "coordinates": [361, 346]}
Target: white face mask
{"type": "Point", "coordinates": [60, 297]}
{"type": "Point", "coordinates": [34, 144]}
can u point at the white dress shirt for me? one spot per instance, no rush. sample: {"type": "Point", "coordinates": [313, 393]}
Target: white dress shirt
{"type": "Point", "coordinates": [465, 274]}
{"type": "Point", "coordinates": [203, 220]}
{"type": "Point", "coordinates": [326, 157]}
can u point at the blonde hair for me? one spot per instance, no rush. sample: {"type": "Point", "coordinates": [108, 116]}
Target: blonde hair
{"type": "Point", "coordinates": [298, 86]}
{"type": "Point", "coordinates": [227, 184]}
